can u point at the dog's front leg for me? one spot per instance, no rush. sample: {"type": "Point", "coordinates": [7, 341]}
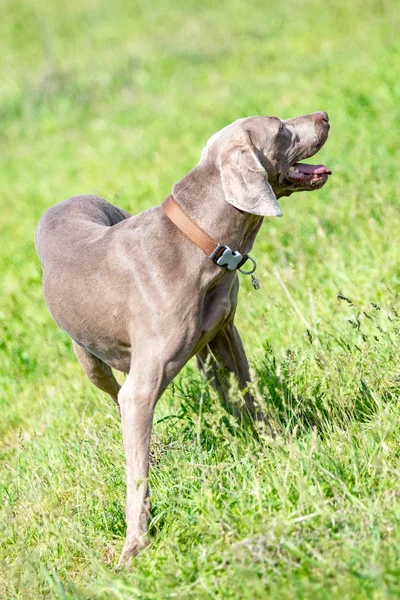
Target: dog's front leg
{"type": "Point", "coordinates": [147, 380]}
{"type": "Point", "coordinates": [137, 400]}
{"type": "Point", "coordinates": [229, 357]}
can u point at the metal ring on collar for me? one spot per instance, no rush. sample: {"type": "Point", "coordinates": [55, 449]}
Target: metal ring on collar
{"type": "Point", "coordinates": [254, 267]}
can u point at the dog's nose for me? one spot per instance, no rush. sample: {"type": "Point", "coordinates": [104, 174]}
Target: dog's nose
{"type": "Point", "coordinates": [323, 116]}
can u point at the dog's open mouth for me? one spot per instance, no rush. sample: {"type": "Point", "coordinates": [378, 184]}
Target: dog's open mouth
{"type": "Point", "coordinates": [314, 175]}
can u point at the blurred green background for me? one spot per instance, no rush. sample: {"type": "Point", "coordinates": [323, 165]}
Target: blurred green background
{"type": "Point", "coordinates": [118, 99]}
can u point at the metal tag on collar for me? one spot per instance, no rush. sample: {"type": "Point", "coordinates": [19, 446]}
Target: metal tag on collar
{"type": "Point", "coordinates": [254, 280]}
{"type": "Point", "coordinates": [229, 258]}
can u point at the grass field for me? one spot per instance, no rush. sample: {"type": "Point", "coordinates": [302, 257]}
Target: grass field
{"type": "Point", "coordinates": [118, 98]}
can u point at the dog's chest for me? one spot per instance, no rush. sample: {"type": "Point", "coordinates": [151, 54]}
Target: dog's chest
{"type": "Point", "coordinates": [219, 302]}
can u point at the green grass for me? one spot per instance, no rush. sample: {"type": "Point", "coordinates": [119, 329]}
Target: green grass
{"type": "Point", "coordinates": [118, 98]}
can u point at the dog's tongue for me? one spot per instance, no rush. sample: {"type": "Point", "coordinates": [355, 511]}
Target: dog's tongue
{"type": "Point", "coordinates": [312, 169]}
{"type": "Point", "coordinates": [301, 172]}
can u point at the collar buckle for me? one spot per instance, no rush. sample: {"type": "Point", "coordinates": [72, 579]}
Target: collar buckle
{"type": "Point", "coordinates": [226, 257]}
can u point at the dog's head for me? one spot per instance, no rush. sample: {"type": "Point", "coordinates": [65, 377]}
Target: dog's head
{"type": "Point", "coordinates": [258, 160]}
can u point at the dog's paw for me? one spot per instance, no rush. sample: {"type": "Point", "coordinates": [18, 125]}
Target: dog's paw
{"type": "Point", "coordinates": [263, 426]}
{"type": "Point", "coordinates": [131, 548]}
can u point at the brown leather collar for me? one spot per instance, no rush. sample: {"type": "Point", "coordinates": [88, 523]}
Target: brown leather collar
{"type": "Point", "coordinates": [220, 254]}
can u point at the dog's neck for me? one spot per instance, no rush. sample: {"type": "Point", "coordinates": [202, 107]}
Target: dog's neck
{"type": "Point", "coordinates": [203, 200]}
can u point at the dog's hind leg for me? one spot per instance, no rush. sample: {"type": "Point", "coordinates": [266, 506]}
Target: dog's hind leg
{"type": "Point", "coordinates": [98, 372]}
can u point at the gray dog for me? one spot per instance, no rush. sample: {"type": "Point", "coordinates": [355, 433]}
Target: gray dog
{"type": "Point", "coordinates": [143, 294]}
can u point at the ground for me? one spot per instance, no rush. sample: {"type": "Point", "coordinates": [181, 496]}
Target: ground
{"type": "Point", "coordinates": [118, 99]}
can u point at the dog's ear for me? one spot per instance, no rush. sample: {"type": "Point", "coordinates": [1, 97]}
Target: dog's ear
{"type": "Point", "coordinates": [245, 182]}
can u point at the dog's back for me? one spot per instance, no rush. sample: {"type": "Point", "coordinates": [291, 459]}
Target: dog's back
{"type": "Point", "coordinates": [71, 223]}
